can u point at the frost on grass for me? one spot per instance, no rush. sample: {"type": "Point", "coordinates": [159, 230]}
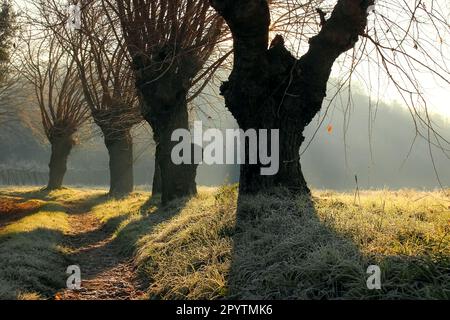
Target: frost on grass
{"type": "Point", "coordinates": [285, 247]}
{"type": "Point", "coordinates": [32, 263]}
{"type": "Point", "coordinates": [270, 246]}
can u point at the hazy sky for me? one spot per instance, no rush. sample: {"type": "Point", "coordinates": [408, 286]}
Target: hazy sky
{"type": "Point", "coordinates": [435, 90]}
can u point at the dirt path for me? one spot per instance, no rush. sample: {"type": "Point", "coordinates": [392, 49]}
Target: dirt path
{"type": "Point", "coordinates": [104, 274]}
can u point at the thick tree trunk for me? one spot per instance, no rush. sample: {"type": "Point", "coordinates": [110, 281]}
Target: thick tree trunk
{"type": "Point", "coordinates": [166, 110]}
{"type": "Point", "coordinates": [269, 88]}
{"type": "Point", "coordinates": [120, 150]}
{"type": "Point", "coordinates": [289, 174]}
{"type": "Point", "coordinates": [157, 183]}
{"type": "Point", "coordinates": [116, 122]}
{"type": "Point", "coordinates": [61, 148]}
{"type": "Point", "coordinates": [176, 180]}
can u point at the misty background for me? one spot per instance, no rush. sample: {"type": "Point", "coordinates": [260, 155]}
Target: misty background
{"type": "Point", "coordinates": [375, 142]}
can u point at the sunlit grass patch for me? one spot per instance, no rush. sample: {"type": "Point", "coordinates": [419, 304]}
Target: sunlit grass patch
{"type": "Point", "coordinates": [285, 247]}
{"type": "Point", "coordinates": [187, 253]}
{"type": "Point", "coordinates": [30, 260]}
{"type": "Point", "coordinates": [279, 246]}
{"type": "Point", "coordinates": [32, 265]}
{"type": "Point", "coordinates": [126, 207]}
{"type": "Point", "coordinates": [407, 223]}
{"type": "Point", "coordinates": [29, 296]}
{"type": "Point", "coordinates": [406, 233]}
{"type": "Point", "coordinates": [74, 196]}
{"type": "Point", "coordinates": [14, 205]}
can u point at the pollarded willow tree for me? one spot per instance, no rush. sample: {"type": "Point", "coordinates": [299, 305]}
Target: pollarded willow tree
{"type": "Point", "coordinates": [170, 42]}
{"type": "Point", "coordinates": [107, 81]}
{"type": "Point", "coordinates": [53, 74]}
{"type": "Point", "coordinates": [270, 88]}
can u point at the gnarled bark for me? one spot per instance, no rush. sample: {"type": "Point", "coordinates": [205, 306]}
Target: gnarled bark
{"type": "Point", "coordinates": [157, 183]}
{"type": "Point", "coordinates": [271, 89]}
{"type": "Point", "coordinates": [176, 180]}
{"type": "Point", "coordinates": [289, 174]}
{"type": "Point", "coordinates": [166, 110]}
{"type": "Point", "coordinates": [120, 150]}
{"type": "Point", "coordinates": [116, 123]}
{"type": "Point", "coordinates": [169, 43]}
{"type": "Point", "coordinates": [61, 147]}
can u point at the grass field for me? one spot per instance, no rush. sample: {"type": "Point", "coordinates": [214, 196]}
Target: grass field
{"type": "Point", "coordinates": [214, 245]}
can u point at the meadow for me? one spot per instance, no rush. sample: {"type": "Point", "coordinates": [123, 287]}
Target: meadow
{"type": "Point", "coordinates": [215, 246]}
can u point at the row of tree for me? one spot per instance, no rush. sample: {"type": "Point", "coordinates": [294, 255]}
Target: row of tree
{"type": "Point", "coordinates": [148, 59]}
{"type": "Point", "coordinates": [118, 77]}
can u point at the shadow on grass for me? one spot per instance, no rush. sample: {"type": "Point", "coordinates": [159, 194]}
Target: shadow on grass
{"type": "Point", "coordinates": [108, 228]}
{"type": "Point", "coordinates": [19, 204]}
{"type": "Point", "coordinates": [152, 213]}
{"type": "Point", "coordinates": [86, 204]}
{"type": "Point", "coordinates": [128, 230]}
{"type": "Point", "coordinates": [282, 250]}
{"type": "Point", "coordinates": [31, 264]}
{"type": "Point", "coordinates": [12, 216]}
{"type": "Point", "coordinates": [83, 203]}
{"type": "Point", "coordinates": [14, 208]}
{"type": "Point", "coordinates": [36, 193]}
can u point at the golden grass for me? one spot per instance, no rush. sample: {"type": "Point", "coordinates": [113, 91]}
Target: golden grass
{"type": "Point", "coordinates": [406, 222]}
{"type": "Point", "coordinates": [289, 248]}
{"type": "Point", "coordinates": [32, 263]}
{"type": "Point", "coordinates": [279, 247]}
{"type": "Point", "coordinates": [13, 205]}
